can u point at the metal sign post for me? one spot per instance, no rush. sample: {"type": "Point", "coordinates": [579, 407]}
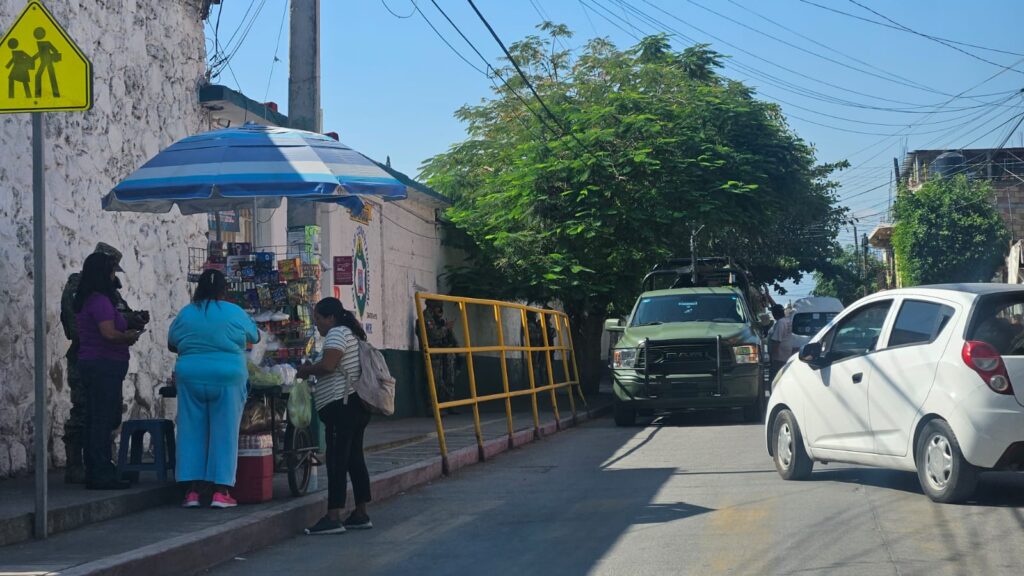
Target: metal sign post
{"type": "Point", "coordinates": [46, 71]}
{"type": "Point", "coordinates": [38, 291]}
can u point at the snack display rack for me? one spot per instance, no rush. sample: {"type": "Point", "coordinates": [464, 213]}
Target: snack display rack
{"type": "Point", "coordinates": [276, 285]}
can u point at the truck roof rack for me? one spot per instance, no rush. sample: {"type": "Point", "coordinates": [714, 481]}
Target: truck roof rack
{"type": "Point", "coordinates": [711, 271]}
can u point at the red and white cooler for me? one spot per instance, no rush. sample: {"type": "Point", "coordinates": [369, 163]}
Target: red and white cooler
{"type": "Point", "coordinates": [254, 480]}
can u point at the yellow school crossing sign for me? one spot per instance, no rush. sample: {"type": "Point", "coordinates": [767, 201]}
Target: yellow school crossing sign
{"type": "Point", "coordinates": [43, 68]}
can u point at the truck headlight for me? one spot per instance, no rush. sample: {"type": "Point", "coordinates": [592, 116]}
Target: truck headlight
{"type": "Point", "coordinates": [624, 358]}
{"type": "Point", "coordinates": [746, 354]}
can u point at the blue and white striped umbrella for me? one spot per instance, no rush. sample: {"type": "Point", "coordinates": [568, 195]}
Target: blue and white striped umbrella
{"type": "Point", "coordinates": [236, 168]}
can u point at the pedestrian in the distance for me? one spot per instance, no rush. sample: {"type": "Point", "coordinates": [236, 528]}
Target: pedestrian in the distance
{"type": "Point", "coordinates": [780, 346]}
{"type": "Point", "coordinates": [440, 335]}
{"type": "Point", "coordinates": [210, 336]}
{"type": "Point", "coordinates": [341, 410]}
{"type": "Point", "coordinates": [103, 341]}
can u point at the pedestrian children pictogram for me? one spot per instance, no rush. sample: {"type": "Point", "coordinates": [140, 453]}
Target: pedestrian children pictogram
{"type": "Point", "coordinates": [44, 69]}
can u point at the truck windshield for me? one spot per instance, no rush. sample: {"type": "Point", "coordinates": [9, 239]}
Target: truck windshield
{"type": "Point", "coordinates": [726, 308]}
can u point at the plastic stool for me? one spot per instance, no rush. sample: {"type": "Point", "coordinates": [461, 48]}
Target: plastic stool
{"type": "Point", "coordinates": [161, 437]}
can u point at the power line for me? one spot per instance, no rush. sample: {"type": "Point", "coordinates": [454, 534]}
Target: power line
{"type": "Point", "coordinates": [932, 38]}
{"type": "Point", "coordinates": [395, 14]}
{"type": "Point", "coordinates": [830, 9]}
{"type": "Point", "coordinates": [487, 63]}
{"type": "Point", "coordinates": [277, 48]}
{"type": "Point", "coordinates": [888, 78]}
{"type": "Point", "coordinates": [522, 75]}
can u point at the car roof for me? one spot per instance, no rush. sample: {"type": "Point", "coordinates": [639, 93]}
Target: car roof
{"type": "Point", "coordinates": [694, 290]}
{"type": "Point", "coordinates": [811, 304]}
{"type": "Point", "coordinates": [966, 292]}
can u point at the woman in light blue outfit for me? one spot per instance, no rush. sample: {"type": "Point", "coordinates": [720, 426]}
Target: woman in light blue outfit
{"type": "Point", "coordinates": [210, 336]}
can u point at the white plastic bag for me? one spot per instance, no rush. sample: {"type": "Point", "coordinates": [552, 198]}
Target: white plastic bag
{"type": "Point", "coordinates": [286, 372]}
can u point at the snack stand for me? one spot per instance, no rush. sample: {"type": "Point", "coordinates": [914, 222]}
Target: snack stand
{"type": "Point", "coordinates": [255, 167]}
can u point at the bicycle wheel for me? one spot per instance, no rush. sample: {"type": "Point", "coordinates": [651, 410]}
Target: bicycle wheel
{"type": "Point", "coordinates": [298, 458]}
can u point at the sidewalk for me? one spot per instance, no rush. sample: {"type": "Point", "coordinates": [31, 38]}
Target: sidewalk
{"type": "Point", "coordinates": [144, 529]}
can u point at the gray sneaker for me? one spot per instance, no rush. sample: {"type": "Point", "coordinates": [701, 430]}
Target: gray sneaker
{"type": "Point", "coordinates": [326, 526]}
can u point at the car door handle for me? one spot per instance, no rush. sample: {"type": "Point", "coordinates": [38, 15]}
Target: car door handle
{"type": "Point", "coordinates": [858, 377]}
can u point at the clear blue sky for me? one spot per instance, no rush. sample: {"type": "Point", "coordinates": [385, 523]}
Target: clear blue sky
{"type": "Point", "coordinates": [390, 85]}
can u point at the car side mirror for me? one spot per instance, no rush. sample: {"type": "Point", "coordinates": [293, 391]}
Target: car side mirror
{"type": "Point", "coordinates": [810, 354]}
{"type": "Point", "coordinates": [614, 325]}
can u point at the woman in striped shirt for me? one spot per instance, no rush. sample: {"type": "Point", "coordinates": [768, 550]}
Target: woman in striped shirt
{"type": "Point", "coordinates": [342, 413]}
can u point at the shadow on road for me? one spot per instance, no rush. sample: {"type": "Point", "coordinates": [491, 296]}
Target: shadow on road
{"type": "Point", "coordinates": [702, 418]}
{"type": "Point", "coordinates": [996, 489]}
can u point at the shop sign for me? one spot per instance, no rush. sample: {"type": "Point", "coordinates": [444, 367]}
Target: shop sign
{"type": "Point", "coordinates": [363, 217]}
{"type": "Point", "coordinates": [342, 270]}
{"type": "Point", "coordinates": [228, 221]}
{"type": "Point", "coordinates": [360, 273]}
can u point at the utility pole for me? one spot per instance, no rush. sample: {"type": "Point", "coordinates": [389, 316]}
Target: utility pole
{"type": "Point", "coordinates": [693, 253]}
{"type": "Point", "coordinates": [856, 249]}
{"type": "Point", "coordinates": [304, 111]}
{"type": "Point", "coordinates": [867, 271]}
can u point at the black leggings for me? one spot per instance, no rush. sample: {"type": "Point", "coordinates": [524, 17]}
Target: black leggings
{"type": "Point", "coordinates": [102, 380]}
{"type": "Point", "coordinates": [344, 425]}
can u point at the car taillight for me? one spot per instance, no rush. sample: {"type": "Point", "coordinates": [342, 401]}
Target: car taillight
{"type": "Point", "coordinates": [988, 363]}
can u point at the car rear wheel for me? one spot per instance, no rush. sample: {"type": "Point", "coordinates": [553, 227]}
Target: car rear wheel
{"type": "Point", "coordinates": [624, 415]}
{"type": "Point", "coordinates": [791, 460]}
{"type": "Point", "coordinates": [945, 475]}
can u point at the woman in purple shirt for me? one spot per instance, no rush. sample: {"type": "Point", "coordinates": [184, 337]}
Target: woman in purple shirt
{"type": "Point", "coordinates": [103, 355]}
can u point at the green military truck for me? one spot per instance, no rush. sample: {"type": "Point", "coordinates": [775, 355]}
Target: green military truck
{"type": "Point", "coordinates": [696, 344]}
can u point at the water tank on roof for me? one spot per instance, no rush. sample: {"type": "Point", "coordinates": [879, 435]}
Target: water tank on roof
{"type": "Point", "coordinates": [948, 164]}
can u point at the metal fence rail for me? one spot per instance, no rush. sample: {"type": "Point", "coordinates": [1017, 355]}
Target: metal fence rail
{"type": "Point", "coordinates": [564, 345]}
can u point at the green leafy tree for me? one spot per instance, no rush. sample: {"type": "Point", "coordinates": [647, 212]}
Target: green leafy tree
{"type": "Point", "coordinates": [846, 278]}
{"type": "Point", "coordinates": [948, 231]}
{"type": "Point", "coordinates": [646, 144]}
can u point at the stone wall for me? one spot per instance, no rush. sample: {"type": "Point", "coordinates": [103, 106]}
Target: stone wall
{"type": "Point", "coordinates": [148, 59]}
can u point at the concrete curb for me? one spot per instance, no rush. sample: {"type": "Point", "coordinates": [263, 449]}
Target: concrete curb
{"type": "Point", "coordinates": [204, 549]}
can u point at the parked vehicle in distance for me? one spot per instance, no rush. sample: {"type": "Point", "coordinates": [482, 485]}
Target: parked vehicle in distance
{"type": "Point", "coordinates": [684, 348]}
{"type": "Point", "coordinates": [810, 315]}
{"type": "Point", "coordinates": [927, 379]}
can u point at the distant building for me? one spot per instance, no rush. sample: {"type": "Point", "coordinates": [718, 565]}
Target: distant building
{"type": "Point", "coordinates": [1003, 168]}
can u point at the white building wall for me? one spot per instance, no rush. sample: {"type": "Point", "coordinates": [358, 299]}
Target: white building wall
{"type": "Point", "coordinates": [148, 57]}
{"type": "Point", "coordinates": [403, 255]}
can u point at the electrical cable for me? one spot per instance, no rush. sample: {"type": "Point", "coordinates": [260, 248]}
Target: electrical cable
{"type": "Point", "coordinates": [529, 84]}
{"type": "Point", "coordinates": [932, 38]}
{"type": "Point", "coordinates": [395, 14]}
{"type": "Point", "coordinates": [277, 48]}
{"type": "Point", "coordinates": [830, 9]}
{"type": "Point", "coordinates": [486, 62]}
{"type": "Point", "coordinates": [898, 80]}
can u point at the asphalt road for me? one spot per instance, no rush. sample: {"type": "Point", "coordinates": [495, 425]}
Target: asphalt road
{"type": "Point", "coordinates": [695, 495]}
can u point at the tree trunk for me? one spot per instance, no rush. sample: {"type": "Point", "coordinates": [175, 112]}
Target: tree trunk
{"type": "Point", "coordinates": [587, 329]}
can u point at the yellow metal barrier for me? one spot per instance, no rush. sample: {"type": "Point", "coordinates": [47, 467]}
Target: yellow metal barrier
{"type": "Point", "coordinates": [565, 346]}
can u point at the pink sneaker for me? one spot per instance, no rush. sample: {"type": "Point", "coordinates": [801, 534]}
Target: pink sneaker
{"type": "Point", "coordinates": [191, 500]}
{"type": "Point", "coordinates": [223, 501]}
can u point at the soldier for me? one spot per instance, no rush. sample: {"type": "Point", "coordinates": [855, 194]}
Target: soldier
{"type": "Point", "coordinates": [74, 427]}
{"type": "Point", "coordinates": [440, 335]}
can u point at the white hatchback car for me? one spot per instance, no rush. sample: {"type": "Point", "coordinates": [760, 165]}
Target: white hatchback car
{"type": "Point", "coordinates": [927, 379]}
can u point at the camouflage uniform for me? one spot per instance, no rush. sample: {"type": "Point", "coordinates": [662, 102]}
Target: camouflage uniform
{"type": "Point", "coordinates": [439, 335]}
{"type": "Point", "coordinates": [75, 426]}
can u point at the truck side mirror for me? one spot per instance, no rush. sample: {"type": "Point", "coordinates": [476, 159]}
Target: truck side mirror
{"type": "Point", "coordinates": [614, 325]}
